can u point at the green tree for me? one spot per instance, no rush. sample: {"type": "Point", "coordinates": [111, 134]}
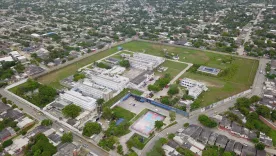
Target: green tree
{"type": "Point", "coordinates": [171, 136]}
{"type": "Point", "coordinates": [185, 152]}
{"type": "Point", "coordinates": [154, 88]}
{"type": "Point", "coordinates": [172, 115]}
{"type": "Point", "coordinates": [173, 89]}
{"type": "Point", "coordinates": [158, 124]}
{"type": "Point", "coordinates": [227, 154]}
{"type": "Point", "coordinates": [91, 128]}
{"type": "Point", "coordinates": [7, 143]}
{"type": "Point", "coordinates": [46, 122]}
{"type": "Point", "coordinates": [4, 100]}
{"type": "Point", "coordinates": [120, 149]}
{"type": "Point", "coordinates": [210, 152]}
{"type": "Point", "coordinates": [260, 146]}
{"type": "Point", "coordinates": [273, 115]}
{"type": "Point", "coordinates": [254, 99]}
{"type": "Point", "coordinates": [186, 125]}
{"type": "Point", "coordinates": [71, 111]}
{"type": "Point", "coordinates": [263, 111]}
{"type": "Point", "coordinates": [107, 113]}
{"type": "Point", "coordinates": [124, 63]}
{"type": "Point", "coordinates": [206, 121]}
{"type": "Point", "coordinates": [100, 101]}
{"type": "Point", "coordinates": [67, 137]}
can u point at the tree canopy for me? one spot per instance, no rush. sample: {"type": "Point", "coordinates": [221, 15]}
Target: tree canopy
{"type": "Point", "coordinates": [46, 122]}
{"type": "Point", "coordinates": [206, 121]}
{"type": "Point", "coordinates": [91, 128]}
{"type": "Point", "coordinates": [158, 124]}
{"type": "Point", "coordinates": [71, 111]}
{"type": "Point", "coordinates": [67, 137]}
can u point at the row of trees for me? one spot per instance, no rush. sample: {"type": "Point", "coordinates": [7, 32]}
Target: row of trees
{"type": "Point", "coordinates": [206, 121]}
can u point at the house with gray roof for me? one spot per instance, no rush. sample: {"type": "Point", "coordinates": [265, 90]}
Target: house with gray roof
{"type": "Point", "coordinates": [238, 148]}
{"type": "Point", "coordinates": [190, 130]}
{"type": "Point", "coordinates": [261, 153]}
{"type": "Point", "coordinates": [248, 151]}
{"type": "Point", "coordinates": [225, 123]}
{"type": "Point", "coordinates": [204, 136]}
{"type": "Point", "coordinates": [230, 146]}
{"type": "Point", "coordinates": [6, 133]}
{"type": "Point", "coordinates": [3, 107]}
{"type": "Point", "coordinates": [212, 139]}
{"type": "Point", "coordinates": [12, 114]}
{"type": "Point", "coordinates": [236, 129]}
{"type": "Point", "coordinates": [221, 141]}
{"type": "Point", "coordinates": [196, 134]}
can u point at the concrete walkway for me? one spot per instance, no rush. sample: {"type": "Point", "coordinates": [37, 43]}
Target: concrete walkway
{"type": "Point", "coordinates": [124, 139]}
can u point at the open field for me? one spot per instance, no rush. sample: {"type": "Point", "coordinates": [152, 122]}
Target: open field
{"type": "Point", "coordinates": [174, 68]}
{"type": "Point", "coordinates": [219, 87]}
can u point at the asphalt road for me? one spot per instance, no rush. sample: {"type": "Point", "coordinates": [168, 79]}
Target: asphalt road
{"type": "Point", "coordinates": [256, 90]}
{"type": "Point", "coordinates": [39, 116]}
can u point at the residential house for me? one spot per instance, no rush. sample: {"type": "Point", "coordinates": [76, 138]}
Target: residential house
{"type": "Point", "coordinates": [204, 136]}
{"type": "Point", "coordinates": [238, 148]}
{"type": "Point", "coordinates": [236, 129]}
{"type": "Point", "coordinates": [248, 150]}
{"type": "Point", "coordinates": [196, 134]}
{"type": "Point", "coordinates": [66, 149]}
{"type": "Point", "coordinates": [6, 133]}
{"type": "Point", "coordinates": [225, 123]}
{"type": "Point", "coordinates": [261, 153]}
{"type": "Point", "coordinates": [169, 151]}
{"type": "Point", "coordinates": [12, 114]}
{"type": "Point", "coordinates": [265, 139]}
{"type": "Point", "coordinates": [230, 146]}
{"type": "Point", "coordinates": [190, 130]}
{"type": "Point", "coordinates": [212, 139]}
{"type": "Point", "coordinates": [221, 141]}
{"type": "Point", "coordinates": [3, 107]}
{"type": "Point", "coordinates": [18, 146]}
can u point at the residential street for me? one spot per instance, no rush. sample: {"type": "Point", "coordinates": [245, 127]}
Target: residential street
{"type": "Point", "coordinates": [39, 116]}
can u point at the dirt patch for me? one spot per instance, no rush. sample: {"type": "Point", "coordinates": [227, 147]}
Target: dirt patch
{"type": "Point", "coordinates": [209, 84]}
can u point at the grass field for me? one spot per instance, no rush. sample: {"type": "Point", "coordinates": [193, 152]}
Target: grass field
{"type": "Point", "coordinates": [174, 68]}
{"type": "Point", "coordinates": [120, 112]}
{"type": "Point", "coordinates": [219, 88]}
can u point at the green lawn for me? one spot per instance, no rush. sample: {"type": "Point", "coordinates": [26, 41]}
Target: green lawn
{"type": "Point", "coordinates": [120, 112]}
{"type": "Point", "coordinates": [174, 68]}
{"type": "Point", "coordinates": [137, 141]}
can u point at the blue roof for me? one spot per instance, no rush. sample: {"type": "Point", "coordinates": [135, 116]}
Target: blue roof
{"type": "Point", "coordinates": [119, 121]}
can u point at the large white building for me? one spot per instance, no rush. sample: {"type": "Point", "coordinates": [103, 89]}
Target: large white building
{"type": "Point", "coordinates": [88, 88]}
{"type": "Point", "coordinates": [145, 61]}
{"type": "Point", "coordinates": [113, 82]}
{"type": "Point", "coordinates": [194, 87]}
{"type": "Point", "coordinates": [189, 83]}
{"type": "Point", "coordinates": [77, 98]}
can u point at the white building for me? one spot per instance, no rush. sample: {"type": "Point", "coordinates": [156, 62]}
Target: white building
{"type": "Point", "coordinates": [195, 91]}
{"type": "Point", "coordinates": [113, 82]}
{"type": "Point", "coordinates": [25, 122]}
{"type": "Point", "coordinates": [17, 146]}
{"type": "Point", "coordinates": [14, 54]}
{"type": "Point", "coordinates": [88, 88]}
{"type": "Point", "coordinates": [189, 83]}
{"type": "Point", "coordinates": [77, 98]}
{"type": "Point", "coordinates": [194, 87]}
{"type": "Point", "coordinates": [169, 151]}
{"type": "Point", "coordinates": [145, 61]}
{"type": "Point", "coordinates": [6, 59]}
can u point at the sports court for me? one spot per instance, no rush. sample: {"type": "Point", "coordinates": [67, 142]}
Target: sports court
{"type": "Point", "coordinates": [145, 124]}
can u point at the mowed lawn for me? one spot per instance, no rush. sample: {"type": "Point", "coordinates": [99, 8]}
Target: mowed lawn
{"type": "Point", "coordinates": [174, 68]}
{"type": "Point", "coordinates": [53, 78]}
